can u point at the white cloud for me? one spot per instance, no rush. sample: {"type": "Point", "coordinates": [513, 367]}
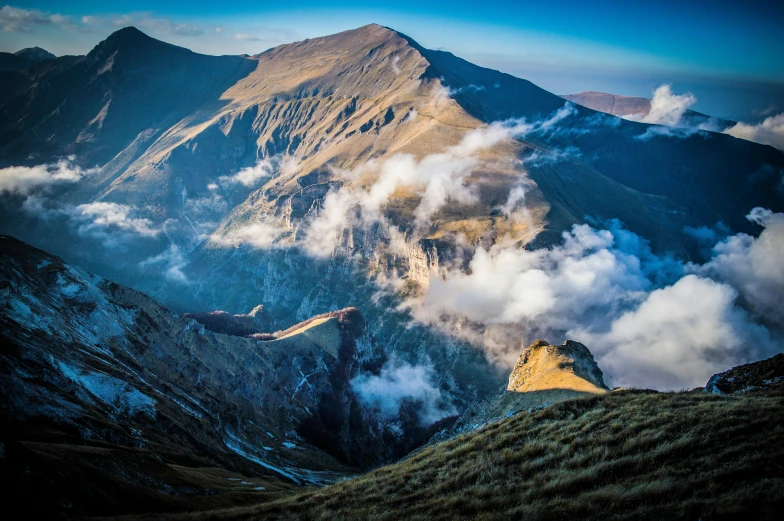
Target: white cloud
{"type": "Point", "coordinates": [263, 169]}
{"type": "Point", "coordinates": [260, 235]}
{"type": "Point", "coordinates": [155, 25]}
{"type": "Point", "coordinates": [649, 319]}
{"type": "Point", "coordinates": [437, 179]}
{"type": "Point", "coordinates": [266, 34]}
{"type": "Point", "coordinates": [24, 180]}
{"type": "Point", "coordinates": [395, 68]}
{"type": "Point", "coordinates": [769, 132]}
{"type": "Point", "coordinates": [24, 20]}
{"type": "Point", "coordinates": [250, 175]}
{"type": "Point", "coordinates": [399, 382]}
{"type": "Point", "coordinates": [101, 218]}
{"type": "Point", "coordinates": [172, 261]}
{"type": "Point", "coordinates": [245, 37]}
{"type": "Point", "coordinates": [754, 266]}
{"type": "Point", "coordinates": [667, 108]}
{"type": "Point", "coordinates": [678, 337]}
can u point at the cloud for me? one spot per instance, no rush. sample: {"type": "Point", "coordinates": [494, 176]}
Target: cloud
{"type": "Point", "coordinates": [436, 178]}
{"type": "Point", "coordinates": [667, 108]}
{"type": "Point", "coordinates": [263, 169]}
{"type": "Point", "coordinates": [676, 132]}
{"type": "Point", "coordinates": [395, 68]}
{"type": "Point", "coordinates": [754, 265]}
{"type": "Point", "coordinates": [102, 220]}
{"type": "Point", "coordinates": [156, 25]}
{"type": "Point", "coordinates": [250, 175]}
{"type": "Point", "coordinates": [267, 34]}
{"type": "Point", "coordinates": [24, 180]}
{"type": "Point", "coordinates": [93, 20]}
{"type": "Point", "coordinates": [679, 336]}
{"type": "Point", "coordinates": [768, 132]}
{"type": "Point", "coordinates": [172, 261]}
{"type": "Point", "coordinates": [650, 319]}
{"type": "Point", "coordinates": [260, 235]}
{"type": "Point", "coordinates": [25, 20]}
{"type": "Point", "coordinates": [400, 382]}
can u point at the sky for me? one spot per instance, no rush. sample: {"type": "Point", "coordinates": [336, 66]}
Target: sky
{"type": "Point", "coordinates": [729, 54]}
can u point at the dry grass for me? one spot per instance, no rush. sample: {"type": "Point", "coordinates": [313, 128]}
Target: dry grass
{"type": "Point", "coordinates": [623, 455]}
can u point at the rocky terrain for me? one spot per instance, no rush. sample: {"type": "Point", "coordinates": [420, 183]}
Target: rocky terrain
{"type": "Point", "coordinates": [284, 180]}
{"type": "Point", "coordinates": [762, 375]}
{"type": "Point", "coordinates": [168, 411]}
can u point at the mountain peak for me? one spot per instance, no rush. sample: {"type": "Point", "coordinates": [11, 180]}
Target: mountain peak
{"type": "Point", "coordinates": [132, 38]}
{"type": "Point", "coordinates": [35, 54]}
{"type": "Point", "coordinates": [544, 366]}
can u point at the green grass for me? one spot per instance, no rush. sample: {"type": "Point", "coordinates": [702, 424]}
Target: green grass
{"type": "Point", "coordinates": [624, 455]}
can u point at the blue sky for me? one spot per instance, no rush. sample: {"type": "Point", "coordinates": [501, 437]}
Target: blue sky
{"type": "Point", "coordinates": [729, 54]}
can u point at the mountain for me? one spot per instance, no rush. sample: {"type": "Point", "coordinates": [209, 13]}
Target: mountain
{"type": "Point", "coordinates": [106, 395]}
{"type": "Point", "coordinates": [12, 62]}
{"type": "Point", "coordinates": [545, 374]}
{"type": "Point", "coordinates": [211, 170]}
{"type": "Point", "coordinates": [617, 105]}
{"type": "Point", "coordinates": [627, 454]}
{"type": "Point", "coordinates": [351, 170]}
{"type": "Point", "coordinates": [35, 54]}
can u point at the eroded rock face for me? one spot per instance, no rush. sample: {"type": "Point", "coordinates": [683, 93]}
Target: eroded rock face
{"type": "Point", "coordinates": [765, 374]}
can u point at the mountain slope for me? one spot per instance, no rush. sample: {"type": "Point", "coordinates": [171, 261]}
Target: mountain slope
{"type": "Point", "coordinates": [138, 397]}
{"type": "Point", "coordinates": [622, 455]}
{"type": "Point", "coordinates": [149, 86]}
{"type": "Point", "coordinates": [202, 178]}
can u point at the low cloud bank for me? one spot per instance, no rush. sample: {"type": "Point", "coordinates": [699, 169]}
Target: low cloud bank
{"type": "Point", "coordinates": [769, 132]}
{"type": "Point", "coordinates": [652, 321]}
{"type": "Point", "coordinates": [24, 180]}
{"type": "Point", "coordinates": [400, 382]}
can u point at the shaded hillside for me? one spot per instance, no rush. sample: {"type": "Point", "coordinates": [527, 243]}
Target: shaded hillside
{"type": "Point", "coordinates": [110, 403]}
{"type": "Point", "coordinates": [623, 455]}
{"type": "Point", "coordinates": [148, 85]}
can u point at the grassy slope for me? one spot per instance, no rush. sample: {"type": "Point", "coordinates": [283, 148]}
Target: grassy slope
{"type": "Point", "coordinates": [624, 455]}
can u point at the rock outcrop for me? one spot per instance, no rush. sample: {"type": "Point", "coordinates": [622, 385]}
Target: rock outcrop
{"type": "Point", "coordinates": [547, 367]}
{"type": "Point", "coordinates": [544, 374]}
{"type": "Point", "coordinates": [762, 375]}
